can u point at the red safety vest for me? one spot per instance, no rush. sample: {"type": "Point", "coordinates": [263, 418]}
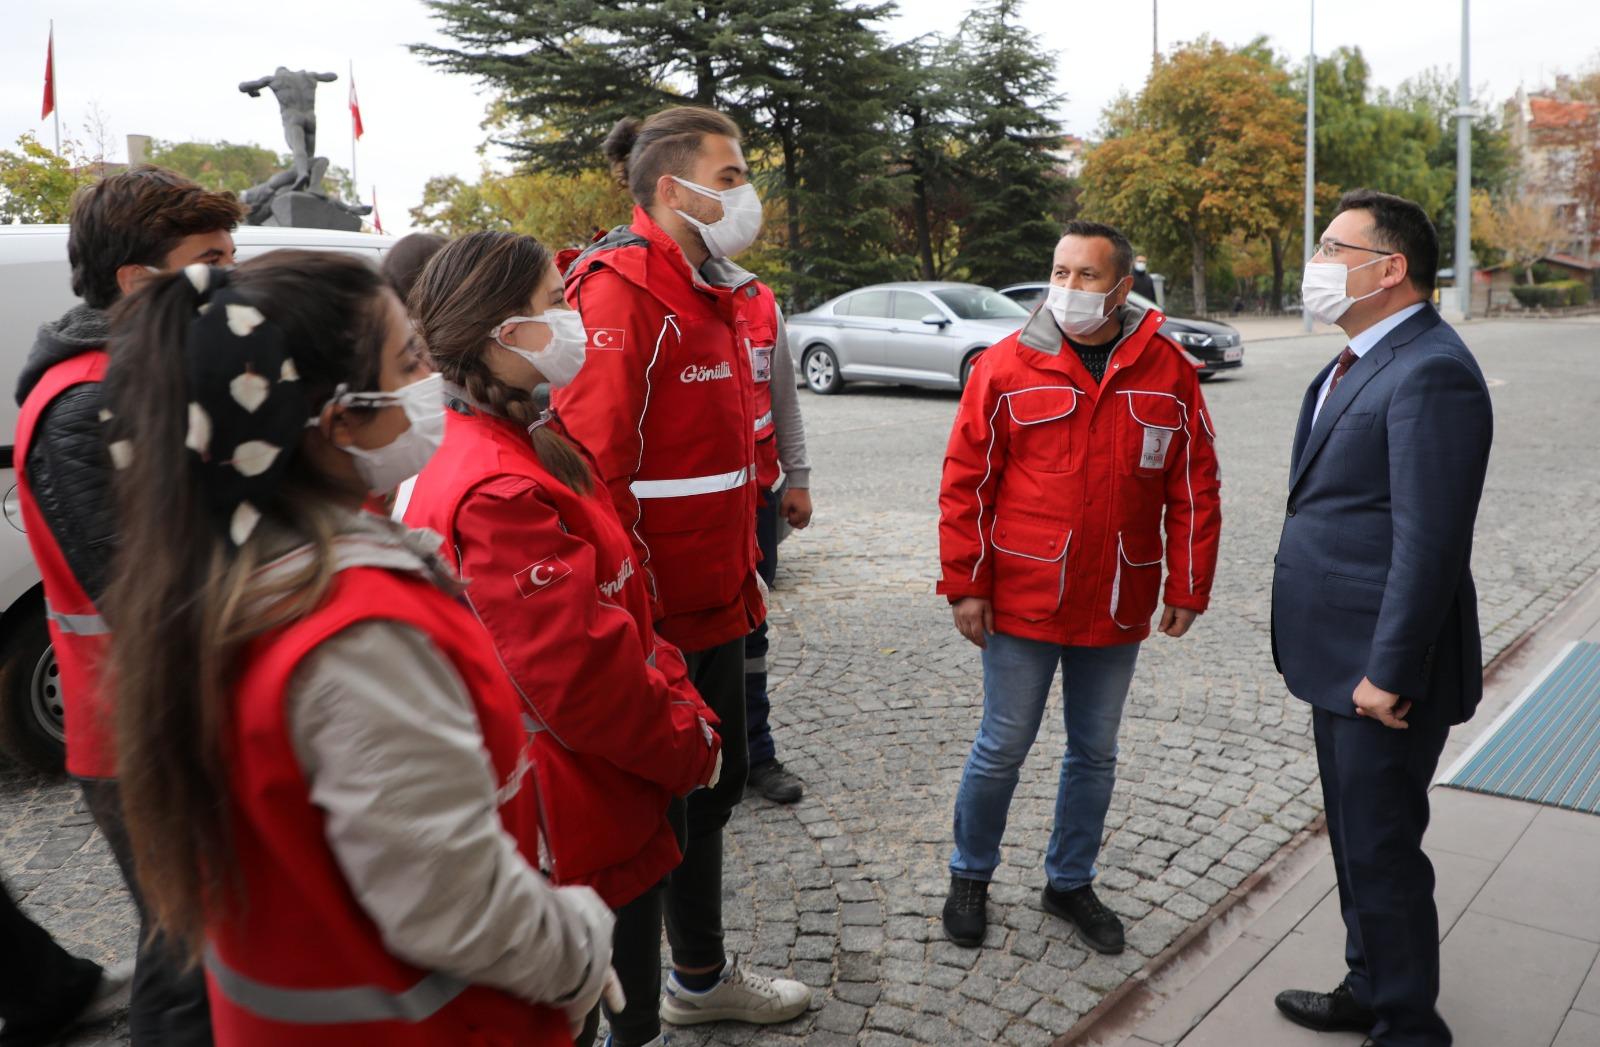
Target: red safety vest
{"type": "Point", "coordinates": [79, 634]}
{"type": "Point", "coordinates": [757, 319]}
{"type": "Point", "coordinates": [295, 960]}
{"type": "Point", "coordinates": [664, 403]}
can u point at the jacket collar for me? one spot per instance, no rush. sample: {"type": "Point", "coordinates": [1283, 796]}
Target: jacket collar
{"type": "Point", "coordinates": [1042, 335]}
{"type": "Point", "coordinates": [1361, 372]}
{"type": "Point", "coordinates": [661, 267]}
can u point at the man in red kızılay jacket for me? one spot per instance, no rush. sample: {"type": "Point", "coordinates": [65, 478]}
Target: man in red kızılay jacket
{"type": "Point", "coordinates": [1079, 440]}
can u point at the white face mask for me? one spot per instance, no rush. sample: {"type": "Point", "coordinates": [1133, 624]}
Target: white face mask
{"type": "Point", "coordinates": [384, 468]}
{"type": "Point", "coordinates": [563, 357]}
{"type": "Point", "coordinates": [1077, 313]}
{"type": "Point", "coordinates": [739, 225]}
{"type": "Point", "coordinates": [1323, 289]}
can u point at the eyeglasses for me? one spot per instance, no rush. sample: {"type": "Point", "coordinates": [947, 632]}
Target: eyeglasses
{"type": "Point", "coordinates": [1329, 248]}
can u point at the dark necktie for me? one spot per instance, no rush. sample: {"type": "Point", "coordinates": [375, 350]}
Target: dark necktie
{"type": "Point", "coordinates": [1346, 358]}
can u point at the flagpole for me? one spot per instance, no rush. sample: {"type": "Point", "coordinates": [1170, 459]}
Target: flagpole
{"type": "Point", "coordinates": [355, 180]}
{"type": "Point", "coordinates": [55, 107]}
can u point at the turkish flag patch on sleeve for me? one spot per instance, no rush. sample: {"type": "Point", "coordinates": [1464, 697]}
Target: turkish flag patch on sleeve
{"type": "Point", "coordinates": [604, 338]}
{"type": "Point", "coordinates": [535, 578]}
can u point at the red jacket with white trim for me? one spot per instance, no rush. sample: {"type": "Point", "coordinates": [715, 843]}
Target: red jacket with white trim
{"type": "Point", "coordinates": [79, 635]}
{"type": "Point", "coordinates": [296, 960]}
{"type": "Point", "coordinates": [665, 402]}
{"type": "Point", "coordinates": [552, 576]}
{"type": "Point", "coordinates": [1057, 490]}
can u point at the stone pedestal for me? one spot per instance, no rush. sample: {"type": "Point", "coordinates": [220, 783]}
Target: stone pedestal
{"type": "Point", "coordinates": [309, 211]}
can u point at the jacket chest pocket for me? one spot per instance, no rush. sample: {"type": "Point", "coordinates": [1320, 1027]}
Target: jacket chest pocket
{"type": "Point", "coordinates": [758, 338]}
{"type": "Point", "coordinates": [1030, 567]}
{"type": "Point", "coordinates": [1147, 429]}
{"type": "Point", "coordinates": [1040, 422]}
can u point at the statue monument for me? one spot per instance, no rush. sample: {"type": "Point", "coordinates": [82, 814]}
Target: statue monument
{"type": "Point", "coordinates": [296, 197]}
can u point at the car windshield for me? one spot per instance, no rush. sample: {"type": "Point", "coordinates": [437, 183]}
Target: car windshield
{"type": "Point", "coordinates": [980, 303]}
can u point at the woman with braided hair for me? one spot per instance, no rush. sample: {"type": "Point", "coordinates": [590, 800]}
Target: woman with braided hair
{"type": "Point", "coordinates": [326, 774]}
{"type": "Point", "coordinates": [622, 733]}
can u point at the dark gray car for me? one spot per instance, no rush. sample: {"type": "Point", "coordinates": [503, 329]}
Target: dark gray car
{"type": "Point", "coordinates": [922, 333]}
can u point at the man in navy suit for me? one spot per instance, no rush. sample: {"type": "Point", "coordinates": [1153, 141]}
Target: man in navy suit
{"type": "Point", "coordinates": [1374, 614]}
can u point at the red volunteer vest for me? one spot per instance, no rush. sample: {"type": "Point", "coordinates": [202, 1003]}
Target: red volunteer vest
{"type": "Point", "coordinates": [296, 960]}
{"type": "Point", "coordinates": [79, 634]}
{"type": "Point", "coordinates": [756, 317]}
{"type": "Point", "coordinates": [693, 491]}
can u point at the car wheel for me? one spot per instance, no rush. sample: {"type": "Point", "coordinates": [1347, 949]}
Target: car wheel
{"type": "Point", "coordinates": [822, 370]}
{"type": "Point", "coordinates": [966, 366]}
{"type": "Point", "coordinates": [1206, 376]}
{"type": "Point", "coordinates": [32, 724]}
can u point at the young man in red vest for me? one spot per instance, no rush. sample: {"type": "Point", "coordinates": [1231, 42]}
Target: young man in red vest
{"type": "Point", "coordinates": [124, 228]}
{"type": "Point", "coordinates": [1082, 457]}
{"type": "Point", "coordinates": [665, 402]}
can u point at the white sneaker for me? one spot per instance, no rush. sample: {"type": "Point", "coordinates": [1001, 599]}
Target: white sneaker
{"type": "Point", "coordinates": [739, 996]}
{"type": "Point", "coordinates": [110, 996]}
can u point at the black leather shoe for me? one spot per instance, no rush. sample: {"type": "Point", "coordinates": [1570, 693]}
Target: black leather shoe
{"type": "Point", "coordinates": [777, 783]}
{"type": "Point", "coordinates": [1097, 925]}
{"type": "Point", "coordinates": [1335, 1011]}
{"type": "Point", "coordinates": [965, 919]}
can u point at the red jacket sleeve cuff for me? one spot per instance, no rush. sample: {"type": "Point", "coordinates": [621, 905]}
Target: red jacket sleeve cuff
{"type": "Point", "coordinates": [1187, 601]}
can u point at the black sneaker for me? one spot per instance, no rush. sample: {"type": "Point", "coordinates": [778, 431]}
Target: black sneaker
{"type": "Point", "coordinates": [965, 918]}
{"type": "Point", "coordinates": [1097, 925]}
{"type": "Point", "coordinates": [772, 780]}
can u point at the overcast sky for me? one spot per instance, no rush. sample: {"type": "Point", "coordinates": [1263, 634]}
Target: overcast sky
{"type": "Point", "coordinates": [170, 69]}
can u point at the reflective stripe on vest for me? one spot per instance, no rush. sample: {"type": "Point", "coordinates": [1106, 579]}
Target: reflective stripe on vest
{"type": "Point", "coordinates": [356, 1003]}
{"type": "Point", "coordinates": [764, 421]}
{"type": "Point", "coordinates": [643, 489]}
{"type": "Point", "coordinates": [77, 624]}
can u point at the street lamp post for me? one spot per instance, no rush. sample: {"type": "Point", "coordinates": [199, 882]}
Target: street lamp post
{"type": "Point", "coordinates": [1311, 151]}
{"type": "Point", "coordinates": [1464, 116]}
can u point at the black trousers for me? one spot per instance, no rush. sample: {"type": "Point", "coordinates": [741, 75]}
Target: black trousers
{"type": "Point", "coordinates": [693, 900]}
{"type": "Point", "coordinates": [636, 956]}
{"type": "Point", "coordinates": [1375, 789]}
{"type": "Point", "coordinates": [169, 1006]}
{"type": "Point", "coordinates": [42, 986]}
{"type": "Point", "coordinates": [758, 707]}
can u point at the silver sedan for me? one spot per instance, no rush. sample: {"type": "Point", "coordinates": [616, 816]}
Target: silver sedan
{"type": "Point", "coordinates": [923, 333]}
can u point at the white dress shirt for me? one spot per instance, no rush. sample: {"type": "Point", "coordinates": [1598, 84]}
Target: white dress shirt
{"type": "Point", "coordinates": [1362, 343]}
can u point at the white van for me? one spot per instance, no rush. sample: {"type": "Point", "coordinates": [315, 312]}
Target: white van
{"type": "Point", "coordinates": [36, 287]}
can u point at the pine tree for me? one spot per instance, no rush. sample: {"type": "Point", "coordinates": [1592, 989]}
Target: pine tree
{"type": "Point", "coordinates": [1006, 100]}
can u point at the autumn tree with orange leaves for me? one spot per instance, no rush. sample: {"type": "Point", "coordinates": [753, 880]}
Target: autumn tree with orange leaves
{"type": "Point", "coordinates": [1212, 147]}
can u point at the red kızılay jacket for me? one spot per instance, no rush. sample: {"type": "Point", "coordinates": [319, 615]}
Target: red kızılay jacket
{"type": "Point", "coordinates": [1056, 490]}
{"type": "Point", "coordinates": [552, 577]}
{"type": "Point", "coordinates": [666, 403]}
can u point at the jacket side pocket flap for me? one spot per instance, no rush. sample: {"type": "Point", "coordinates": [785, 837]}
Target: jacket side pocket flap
{"type": "Point", "coordinates": [1033, 539]}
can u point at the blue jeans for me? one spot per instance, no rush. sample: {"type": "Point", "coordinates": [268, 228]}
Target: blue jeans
{"type": "Point", "coordinates": [1016, 681]}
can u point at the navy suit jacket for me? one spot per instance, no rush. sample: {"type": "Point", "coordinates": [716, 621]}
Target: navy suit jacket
{"type": "Point", "coordinates": [1372, 577]}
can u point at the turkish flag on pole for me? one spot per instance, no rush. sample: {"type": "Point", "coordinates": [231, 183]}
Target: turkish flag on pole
{"type": "Point", "coordinates": [49, 76]}
{"type": "Point", "coordinates": [377, 223]}
{"type": "Point", "coordinates": [355, 108]}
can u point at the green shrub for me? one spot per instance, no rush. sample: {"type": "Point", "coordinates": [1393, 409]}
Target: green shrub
{"type": "Point", "coordinates": [1553, 295]}
{"type": "Point", "coordinates": [1539, 296]}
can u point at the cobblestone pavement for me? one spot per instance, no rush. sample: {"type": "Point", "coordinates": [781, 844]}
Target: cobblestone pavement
{"type": "Point", "coordinates": [876, 700]}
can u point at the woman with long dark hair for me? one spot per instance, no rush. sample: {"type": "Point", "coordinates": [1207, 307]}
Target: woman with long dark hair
{"type": "Point", "coordinates": [553, 577]}
{"type": "Point", "coordinates": [326, 774]}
